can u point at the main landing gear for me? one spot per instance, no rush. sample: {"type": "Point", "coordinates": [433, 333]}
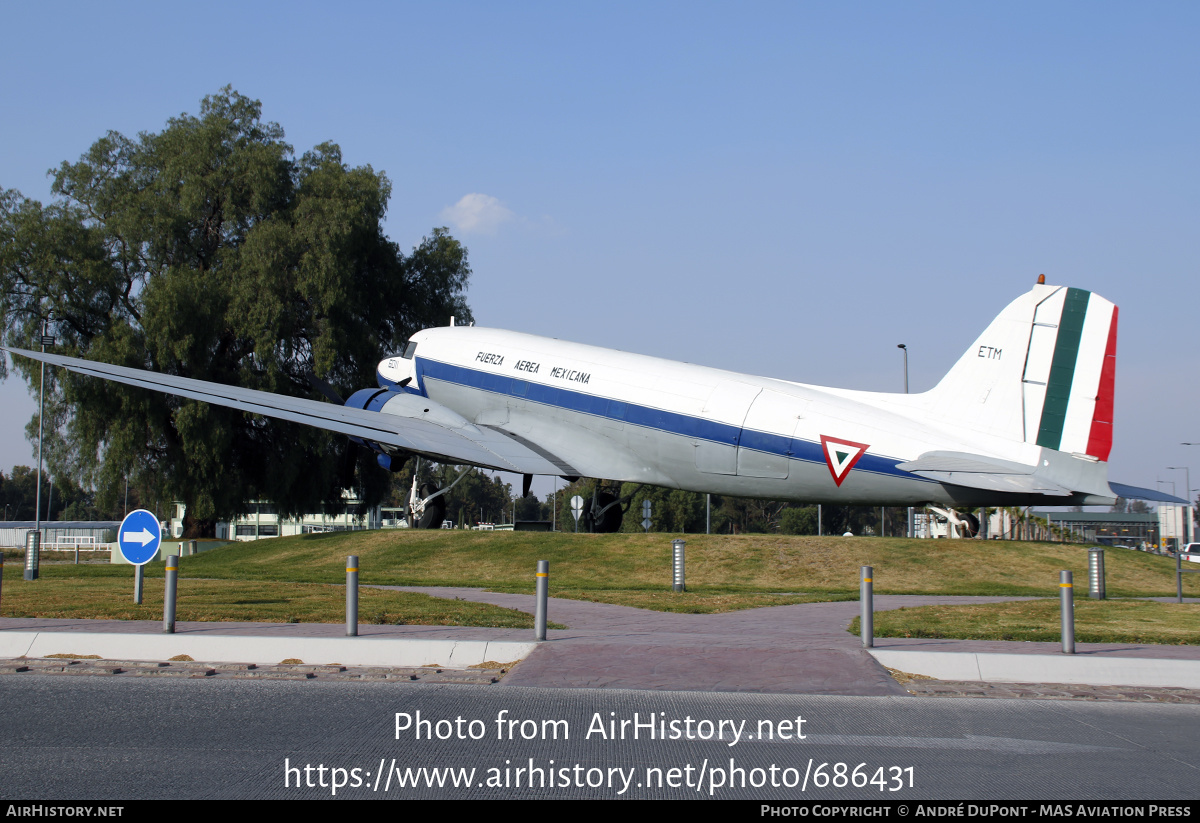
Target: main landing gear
{"type": "Point", "coordinates": [427, 504]}
{"type": "Point", "coordinates": [607, 510]}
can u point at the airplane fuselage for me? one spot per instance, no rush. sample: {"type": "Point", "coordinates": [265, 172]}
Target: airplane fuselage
{"type": "Point", "coordinates": [676, 424]}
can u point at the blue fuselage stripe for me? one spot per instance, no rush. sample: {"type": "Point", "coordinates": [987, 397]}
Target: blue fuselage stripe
{"type": "Point", "coordinates": [635, 415]}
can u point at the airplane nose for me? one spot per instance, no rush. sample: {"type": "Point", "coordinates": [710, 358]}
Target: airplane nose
{"type": "Point", "coordinates": [393, 371]}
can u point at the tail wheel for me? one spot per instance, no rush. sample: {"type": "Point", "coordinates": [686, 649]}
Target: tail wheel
{"type": "Point", "coordinates": [435, 510]}
{"type": "Point", "coordinates": [610, 520]}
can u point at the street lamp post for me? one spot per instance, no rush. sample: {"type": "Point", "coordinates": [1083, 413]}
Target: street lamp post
{"type": "Point", "coordinates": [904, 348]}
{"type": "Point", "coordinates": [37, 514]}
{"type": "Point", "coordinates": [1188, 494]}
{"type": "Point", "coordinates": [1190, 489]}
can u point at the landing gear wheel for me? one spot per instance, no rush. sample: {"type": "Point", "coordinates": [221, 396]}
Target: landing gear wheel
{"type": "Point", "coordinates": [610, 520]}
{"type": "Point", "coordinates": [970, 524]}
{"type": "Point", "coordinates": [435, 510]}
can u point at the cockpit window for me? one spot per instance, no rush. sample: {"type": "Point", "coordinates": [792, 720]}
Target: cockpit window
{"type": "Point", "coordinates": [409, 350]}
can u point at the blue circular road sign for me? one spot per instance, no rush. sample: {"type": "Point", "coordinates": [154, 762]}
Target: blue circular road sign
{"type": "Point", "coordinates": [139, 537]}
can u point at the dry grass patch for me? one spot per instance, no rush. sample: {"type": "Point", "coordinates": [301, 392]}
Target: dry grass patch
{"type": "Point", "coordinates": [1096, 621]}
{"type": "Point", "coordinates": [255, 601]}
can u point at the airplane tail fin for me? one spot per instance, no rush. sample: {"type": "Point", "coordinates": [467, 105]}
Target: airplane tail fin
{"type": "Point", "coordinates": [1042, 373]}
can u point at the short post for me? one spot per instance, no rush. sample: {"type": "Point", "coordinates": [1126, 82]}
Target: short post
{"type": "Point", "coordinates": [352, 596]}
{"type": "Point", "coordinates": [543, 590]}
{"type": "Point", "coordinates": [1096, 574]}
{"type": "Point", "coordinates": [139, 578]}
{"type": "Point", "coordinates": [1066, 590]}
{"type": "Point", "coordinates": [1, 576]}
{"type": "Point", "coordinates": [677, 579]}
{"type": "Point", "coordinates": [33, 546]}
{"type": "Point", "coordinates": [866, 597]}
{"type": "Point", "coordinates": [76, 554]}
{"type": "Point", "coordinates": [191, 548]}
{"type": "Point", "coordinates": [169, 596]}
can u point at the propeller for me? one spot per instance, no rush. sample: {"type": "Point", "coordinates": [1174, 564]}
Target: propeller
{"type": "Point", "coordinates": [350, 456]}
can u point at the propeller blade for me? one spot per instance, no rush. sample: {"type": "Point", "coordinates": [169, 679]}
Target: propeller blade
{"type": "Point", "coordinates": [325, 389]}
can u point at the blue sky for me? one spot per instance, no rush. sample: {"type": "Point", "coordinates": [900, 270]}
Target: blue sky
{"type": "Point", "coordinates": [788, 189]}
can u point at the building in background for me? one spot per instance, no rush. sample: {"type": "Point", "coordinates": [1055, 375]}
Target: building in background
{"type": "Point", "coordinates": [60, 534]}
{"type": "Point", "coordinates": [264, 520]}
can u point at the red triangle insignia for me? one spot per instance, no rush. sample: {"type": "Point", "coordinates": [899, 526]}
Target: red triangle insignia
{"type": "Point", "coordinates": [841, 455]}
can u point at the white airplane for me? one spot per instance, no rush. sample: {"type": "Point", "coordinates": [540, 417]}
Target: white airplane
{"type": "Point", "coordinates": [1024, 417]}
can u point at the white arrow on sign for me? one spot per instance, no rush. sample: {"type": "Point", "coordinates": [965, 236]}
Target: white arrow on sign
{"type": "Point", "coordinates": [144, 536]}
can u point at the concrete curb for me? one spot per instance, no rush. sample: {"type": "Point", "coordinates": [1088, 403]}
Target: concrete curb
{"type": "Point", "coordinates": [1040, 668]}
{"type": "Point", "coordinates": [347, 651]}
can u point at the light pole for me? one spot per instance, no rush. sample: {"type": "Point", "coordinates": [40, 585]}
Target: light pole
{"type": "Point", "coordinates": [905, 349]}
{"type": "Point", "coordinates": [1188, 494]}
{"type": "Point", "coordinates": [37, 514]}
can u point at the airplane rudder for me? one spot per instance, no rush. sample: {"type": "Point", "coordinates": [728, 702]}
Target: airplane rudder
{"type": "Point", "coordinates": [1086, 381]}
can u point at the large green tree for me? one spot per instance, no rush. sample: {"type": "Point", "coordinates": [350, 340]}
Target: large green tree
{"type": "Point", "coordinates": [209, 250]}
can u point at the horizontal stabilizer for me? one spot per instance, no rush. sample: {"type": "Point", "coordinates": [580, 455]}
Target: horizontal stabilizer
{"type": "Point", "coordinates": [1136, 493]}
{"type": "Point", "coordinates": [977, 471]}
{"type": "Point", "coordinates": [963, 462]}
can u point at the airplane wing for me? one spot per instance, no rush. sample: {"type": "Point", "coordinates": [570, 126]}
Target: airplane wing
{"type": "Point", "coordinates": [411, 422]}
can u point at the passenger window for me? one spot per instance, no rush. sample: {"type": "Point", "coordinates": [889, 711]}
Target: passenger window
{"type": "Point", "coordinates": [409, 350]}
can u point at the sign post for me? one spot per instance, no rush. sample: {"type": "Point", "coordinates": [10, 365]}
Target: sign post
{"type": "Point", "coordinates": [139, 539]}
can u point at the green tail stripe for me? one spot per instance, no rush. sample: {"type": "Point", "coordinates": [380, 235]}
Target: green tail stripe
{"type": "Point", "coordinates": [1062, 368]}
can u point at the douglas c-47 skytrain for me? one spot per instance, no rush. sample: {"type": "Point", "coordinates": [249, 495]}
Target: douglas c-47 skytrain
{"type": "Point", "coordinates": [1024, 417]}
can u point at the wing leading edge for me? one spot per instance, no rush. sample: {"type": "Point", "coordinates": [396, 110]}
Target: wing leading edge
{"type": "Point", "coordinates": [409, 422]}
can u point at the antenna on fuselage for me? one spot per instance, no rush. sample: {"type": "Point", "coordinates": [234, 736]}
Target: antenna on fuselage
{"type": "Point", "coordinates": [452, 320]}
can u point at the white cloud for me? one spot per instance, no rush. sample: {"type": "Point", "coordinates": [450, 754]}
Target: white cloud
{"type": "Point", "coordinates": [478, 214]}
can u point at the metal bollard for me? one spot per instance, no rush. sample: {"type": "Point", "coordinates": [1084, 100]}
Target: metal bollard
{"type": "Point", "coordinates": [139, 578]}
{"type": "Point", "coordinates": [192, 548]}
{"type": "Point", "coordinates": [169, 596]}
{"type": "Point", "coordinates": [1096, 589]}
{"type": "Point", "coordinates": [352, 596]}
{"type": "Point", "coordinates": [33, 546]}
{"type": "Point", "coordinates": [866, 597]}
{"type": "Point", "coordinates": [677, 580]}
{"type": "Point", "coordinates": [1, 577]}
{"type": "Point", "coordinates": [543, 589]}
{"type": "Point", "coordinates": [1066, 590]}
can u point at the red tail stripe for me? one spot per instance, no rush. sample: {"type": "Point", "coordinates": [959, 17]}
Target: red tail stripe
{"type": "Point", "coordinates": [1100, 438]}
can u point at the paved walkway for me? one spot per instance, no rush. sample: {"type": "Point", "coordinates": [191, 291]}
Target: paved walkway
{"type": "Point", "coordinates": [802, 648]}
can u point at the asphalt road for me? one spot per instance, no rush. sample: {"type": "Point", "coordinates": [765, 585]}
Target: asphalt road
{"type": "Point", "coordinates": [64, 738]}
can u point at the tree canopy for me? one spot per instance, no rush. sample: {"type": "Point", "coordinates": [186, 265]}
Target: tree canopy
{"type": "Point", "coordinates": [208, 250]}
